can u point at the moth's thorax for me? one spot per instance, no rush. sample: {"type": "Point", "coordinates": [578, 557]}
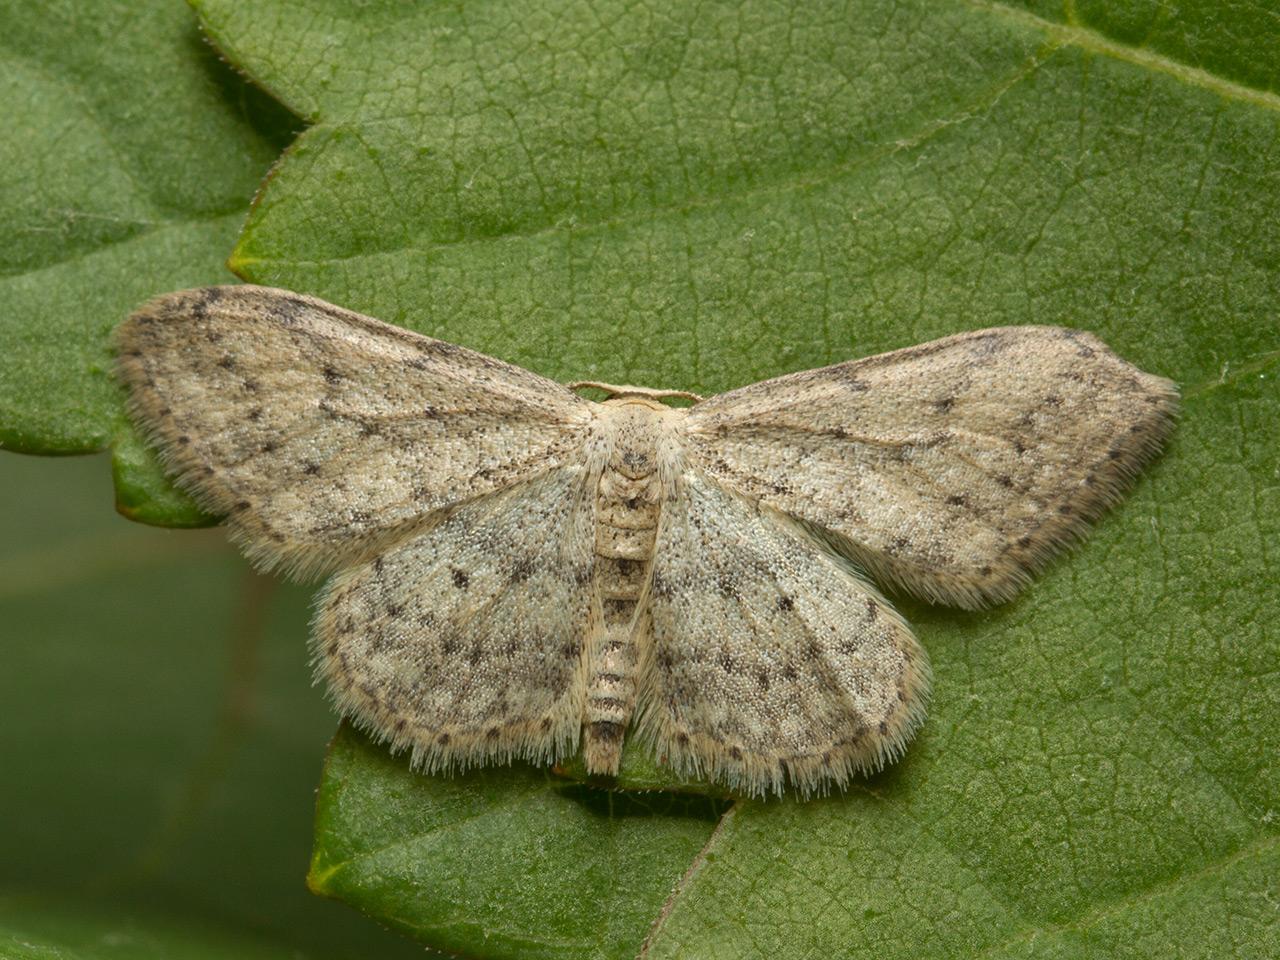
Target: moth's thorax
{"type": "Point", "coordinates": [637, 428]}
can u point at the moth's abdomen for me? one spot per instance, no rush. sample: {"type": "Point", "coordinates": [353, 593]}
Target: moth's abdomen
{"type": "Point", "coordinates": [626, 524]}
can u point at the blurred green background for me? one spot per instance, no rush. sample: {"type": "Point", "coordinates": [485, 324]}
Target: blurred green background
{"type": "Point", "coordinates": [161, 741]}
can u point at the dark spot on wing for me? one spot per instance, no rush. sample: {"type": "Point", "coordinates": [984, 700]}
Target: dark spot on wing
{"type": "Point", "coordinates": [460, 579]}
{"type": "Point", "coordinates": [727, 585]}
{"type": "Point", "coordinates": [522, 570]}
{"type": "Point", "coordinates": [440, 347]}
{"type": "Point", "coordinates": [287, 310]}
{"type": "Point", "coordinates": [785, 603]}
{"type": "Point", "coordinates": [988, 344]}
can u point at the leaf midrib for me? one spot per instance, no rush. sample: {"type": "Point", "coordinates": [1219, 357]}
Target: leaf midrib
{"type": "Point", "coordinates": [1071, 34]}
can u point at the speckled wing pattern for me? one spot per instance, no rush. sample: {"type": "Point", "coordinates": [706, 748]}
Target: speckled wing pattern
{"type": "Point", "coordinates": [522, 572]}
{"type": "Point", "coordinates": [466, 641]}
{"type": "Point", "coordinates": [322, 434]}
{"type": "Point", "coordinates": [772, 660]}
{"type": "Point", "coordinates": [952, 470]}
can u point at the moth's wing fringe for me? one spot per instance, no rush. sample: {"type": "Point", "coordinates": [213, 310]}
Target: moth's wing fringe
{"type": "Point", "coordinates": [461, 750]}
{"type": "Point", "coordinates": [816, 774]}
{"type": "Point", "coordinates": [757, 776]}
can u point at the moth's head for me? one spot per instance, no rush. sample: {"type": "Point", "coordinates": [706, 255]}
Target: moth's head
{"type": "Point", "coordinates": [643, 396]}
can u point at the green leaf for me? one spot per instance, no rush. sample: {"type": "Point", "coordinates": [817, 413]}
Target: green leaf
{"type": "Point", "coordinates": [129, 158]}
{"type": "Point", "coordinates": [699, 196]}
{"type": "Point", "coordinates": [160, 740]}
{"type": "Point", "coordinates": [499, 862]}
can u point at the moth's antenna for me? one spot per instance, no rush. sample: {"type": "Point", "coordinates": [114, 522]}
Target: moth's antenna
{"type": "Point", "coordinates": [626, 390]}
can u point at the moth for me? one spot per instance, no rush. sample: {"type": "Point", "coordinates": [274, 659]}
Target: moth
{"type": "Point", "coordinates": [520, 572]}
